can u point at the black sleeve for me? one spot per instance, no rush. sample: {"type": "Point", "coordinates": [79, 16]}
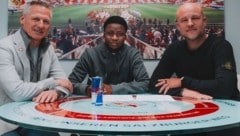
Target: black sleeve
{"type": "Point", "coordinates": [224, 85]}
{"type": "Point", "coordinates": [164, 69]}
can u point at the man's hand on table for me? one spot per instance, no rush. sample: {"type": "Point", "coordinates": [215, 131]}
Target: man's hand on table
{"type": "Point", "coordinates": [47, 96]}
{"type": "Point", "coordinates": [194, 94]}
{"type": "Point", "coordinates": [168, 83]}
{"type": "Point", "coordinates": [107, 89]}
{"type": "Point", "coordinates": [65, 83]}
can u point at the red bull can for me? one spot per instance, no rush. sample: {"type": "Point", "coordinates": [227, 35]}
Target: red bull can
{"type": "Point", "coordinates": [97, 93]}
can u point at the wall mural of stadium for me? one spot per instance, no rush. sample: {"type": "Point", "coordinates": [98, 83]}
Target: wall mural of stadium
{"type": "Point", "coordinates": [77, 24]}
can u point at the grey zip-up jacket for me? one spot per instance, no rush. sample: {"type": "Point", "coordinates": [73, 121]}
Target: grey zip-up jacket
{"type": "Point", "coordinates": [123, 70]}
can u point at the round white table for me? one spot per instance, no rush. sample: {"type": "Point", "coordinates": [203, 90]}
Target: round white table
{"type": "Point", "coordinates": [128, 117]}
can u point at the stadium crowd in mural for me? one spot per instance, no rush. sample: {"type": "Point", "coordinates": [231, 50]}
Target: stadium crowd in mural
{"type": "Point", "coordinates": [150, 35]}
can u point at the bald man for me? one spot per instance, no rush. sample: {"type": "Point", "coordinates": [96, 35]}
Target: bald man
{"type": "Point", "coordinates": [203, 66]}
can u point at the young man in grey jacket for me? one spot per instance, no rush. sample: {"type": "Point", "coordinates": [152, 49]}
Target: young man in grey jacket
{"type": "Point", "coordinates": [121, 66]}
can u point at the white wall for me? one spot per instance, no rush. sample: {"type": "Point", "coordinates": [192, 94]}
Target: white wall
{"type": "Point", "coordinates": [232, 29]}
{"type": "Point", "coordinates": [4, 17]}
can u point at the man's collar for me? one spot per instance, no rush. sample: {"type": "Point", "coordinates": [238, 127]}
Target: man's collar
{"type": "Point", "coordinates": [27, 39]}
{"type": "Point", "coordinates": [114, 50]}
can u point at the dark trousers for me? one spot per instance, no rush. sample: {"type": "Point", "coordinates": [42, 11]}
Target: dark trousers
{"type": "Point", "coordinates": [225, 132]}
{"type": "Point", "coordinates": [30, 132]}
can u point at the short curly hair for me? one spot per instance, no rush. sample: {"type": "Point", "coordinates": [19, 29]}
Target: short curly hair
{"type": "Point", "coordinates": [115, 20]}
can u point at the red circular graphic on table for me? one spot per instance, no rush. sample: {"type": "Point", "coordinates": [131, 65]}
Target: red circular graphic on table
{"type": "Point", "coordinates": [198, 108]}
